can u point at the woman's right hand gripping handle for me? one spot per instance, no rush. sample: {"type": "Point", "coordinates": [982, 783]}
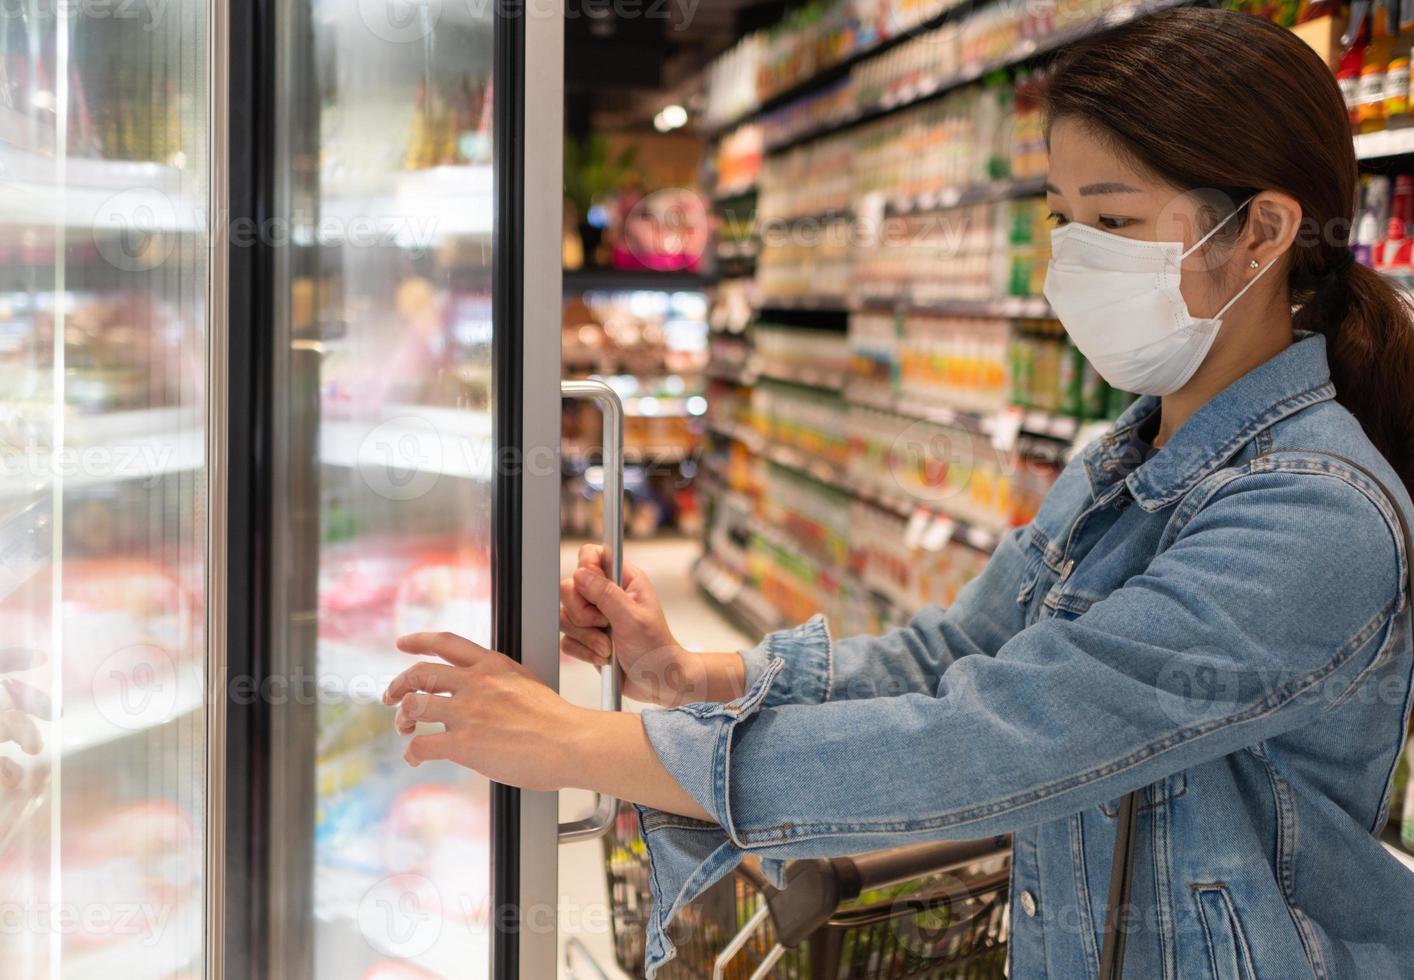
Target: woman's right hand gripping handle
{"type": "Point", "coordinates": [656, 668]}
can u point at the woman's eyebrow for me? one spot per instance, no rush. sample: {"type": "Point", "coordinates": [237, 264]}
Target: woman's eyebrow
{"type": "Point", "coordinates": [1109, 187]}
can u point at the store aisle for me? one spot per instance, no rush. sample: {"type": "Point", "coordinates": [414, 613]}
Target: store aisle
{"type": "Point", "coordinates": [584, 899]}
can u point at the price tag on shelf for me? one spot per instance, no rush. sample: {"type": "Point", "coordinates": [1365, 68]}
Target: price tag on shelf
{"type": "Point", "coordinates": [939, 533]}
{"type": "Point", "coordinates": [917, 527]}
{"type": "Point", "coordinates": [1006, 426]}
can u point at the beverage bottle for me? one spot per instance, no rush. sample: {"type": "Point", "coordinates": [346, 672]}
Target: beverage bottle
{"type": "Point", "coordinates": [1396, 98]}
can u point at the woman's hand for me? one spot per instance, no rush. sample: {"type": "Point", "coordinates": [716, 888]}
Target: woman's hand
{"type": "Point", "coordinates": [20, 705]}
{"type": "Point", "coordinates": [656, 668]}
{"type": "Point", "coordinates": [499, 719]}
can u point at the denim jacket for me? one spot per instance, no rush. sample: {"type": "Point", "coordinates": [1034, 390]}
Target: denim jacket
{"type": "Point", "coordinates": [1223, 623]}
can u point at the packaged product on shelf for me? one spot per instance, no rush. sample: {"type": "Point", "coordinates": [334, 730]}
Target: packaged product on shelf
{"type": "Point", "coordinates": [874, 349]}
{"type": "Point", "coordinates": [953, 361]}
{"type": "Point", "coordinates": [812, 514]}
{"type": "Point", "coordinates": [1050, 374]}
{"type": "Point", "coordinates": [805, 419]}
{"type": "Point", "coordinates": [738, 159]}
{"type": "Point", "coordinates": [819, 357]}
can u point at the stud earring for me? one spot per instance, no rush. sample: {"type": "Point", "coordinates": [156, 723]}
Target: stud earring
{"type": "Point", "coordinates": [1252, 264]}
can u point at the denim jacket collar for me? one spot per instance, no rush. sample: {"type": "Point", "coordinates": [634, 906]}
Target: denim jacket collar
{"type": "Point", "coordinates": [1296, 378]}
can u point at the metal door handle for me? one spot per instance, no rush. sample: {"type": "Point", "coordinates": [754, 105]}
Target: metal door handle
{"type": "Point", "coordinates": [606, 808]}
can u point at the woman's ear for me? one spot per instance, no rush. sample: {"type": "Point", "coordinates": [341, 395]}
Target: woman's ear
{"type": "Point", "coordinates": [1273, 221]}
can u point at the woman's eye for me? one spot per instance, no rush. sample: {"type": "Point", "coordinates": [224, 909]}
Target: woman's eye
{"type": "Point", "coordinates": [1113, 223]}
{"type": "Point", "coordinates": [1057, 219]}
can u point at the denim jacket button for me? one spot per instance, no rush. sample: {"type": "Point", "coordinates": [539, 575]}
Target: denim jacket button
{"type": "Point", "coordinates": [1028, 904]}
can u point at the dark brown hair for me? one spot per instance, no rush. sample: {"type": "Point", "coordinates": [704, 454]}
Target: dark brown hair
{"type": "Point", "coordinates": [1212, 99]}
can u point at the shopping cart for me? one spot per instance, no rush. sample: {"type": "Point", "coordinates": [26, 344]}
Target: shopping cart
{"type": "Point", "coordinates": [930, 912]}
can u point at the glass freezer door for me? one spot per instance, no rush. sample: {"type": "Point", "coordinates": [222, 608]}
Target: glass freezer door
{"type": "Point", "coordinates": [105, 488]}
{"type": "Point", "coordinates": [401, 422]}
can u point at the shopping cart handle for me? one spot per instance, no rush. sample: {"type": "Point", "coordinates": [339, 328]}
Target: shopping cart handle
{"type": "Point", "coordinates": [816, 888]}
{"type": "Point", "coordinates": [877, 869]}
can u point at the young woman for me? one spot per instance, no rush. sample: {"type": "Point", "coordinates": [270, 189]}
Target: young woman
{"type": "Point", "coordinates": [1211, 606]}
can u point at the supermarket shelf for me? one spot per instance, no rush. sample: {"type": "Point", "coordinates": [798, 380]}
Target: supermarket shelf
{"type": "Point", "coordinates": [739, 600]}
{"type": "Point", "coordinates": [1049, 425]}
{"type": "Point", "coordinates": [712, 480]}
{"type": "Point", "coordinates": [101, 450]}
{"type": "Point", "coordinates": [955, 197]}
{"type": "Point", "coordinates": [1388, 143]}
{"type": "Point", "coordinates": [174, 946]}
{"type": "Point", "coordinates": [422, 208]}
{"type": "Point", "coordinates": [738, 250]}
{"type": "Point", "coordinates": [1010, 307]}
{"type": "Point", "coordinates": [112, 195]}
{"type": "Point", "coordinates": [931, 88]}
{"type": "Point", "coordinates": [967, 528]}
{"type": "Point", "coordinates": [815, 217]}
{"type": "Point", "coordinates": [981, 422]}
{"type": "Point", "coordinates": [975, 535]}
{"type": "Point", "coordinates": [411, 439]}
{"type": "Point", "coordinates": [810, 377]}
{"type": "Point", "coordinates": [630, 280]}
{"type": "Point", "coordinates": [838, 70]}
{"type": "Point", "coordinates": [122, 712]}
{"type": "Point", "coordinates": [823, 304]}
{"type": "Point", "coordinates": [721, 196]}
{"type": "Point", "coordinates": [743, 374]}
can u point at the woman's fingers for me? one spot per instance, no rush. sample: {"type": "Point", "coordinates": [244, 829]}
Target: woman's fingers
{"type": "Point", "coordinates": [426, 677]}
{"type": "Point", "coordinates": [578, 609]}
{"type": "Point", "coordinates": [450, 647]}
{"type": "Point", "coordinates": [596, 640]}
{"type": "Point", "coordinates": [591, 556]}
{"type": "Point", "coordinates": [573, 648]}
{"type": "Point", "coordinates": [425, 748]}
{"type": "Point", "coordinates": [29, 699]}
{"type": "Point", "coordinates": [419, 707]}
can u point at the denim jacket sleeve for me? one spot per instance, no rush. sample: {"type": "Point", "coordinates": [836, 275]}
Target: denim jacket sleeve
{"type": "Point", "coordinates": [1225, 640]}
{"type": "Point", "coordinates": [909, 659]}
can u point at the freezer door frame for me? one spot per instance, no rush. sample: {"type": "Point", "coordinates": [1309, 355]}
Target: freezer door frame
{"type": "Point", "coordinates": [529, 89]}
{"type": "Point", "coordinates": [248, 858]}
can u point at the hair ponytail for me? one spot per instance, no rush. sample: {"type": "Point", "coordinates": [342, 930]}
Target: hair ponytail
{"type": "Point", "coordinates": [1370, 344]}
{"type": "Point", "coordinates": [1177, 89]}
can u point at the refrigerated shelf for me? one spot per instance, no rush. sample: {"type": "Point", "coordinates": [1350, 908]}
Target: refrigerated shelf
{"type": "Point", "coordinates": [96, 195]}
{"type": "Point", "coordinates": [174, 948]}
{"type": "Point", "coordinates": [91, 722]}
{"type": "Point", "coordinates": [420, 209]}
{"type": "Point", "coordinates": [104, 449]}
{"type": "Point", "coordinates": [413, 438]}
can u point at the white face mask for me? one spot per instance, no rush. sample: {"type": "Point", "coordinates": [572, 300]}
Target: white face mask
{"type": "Point", "coordinates": [1119, 300]}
